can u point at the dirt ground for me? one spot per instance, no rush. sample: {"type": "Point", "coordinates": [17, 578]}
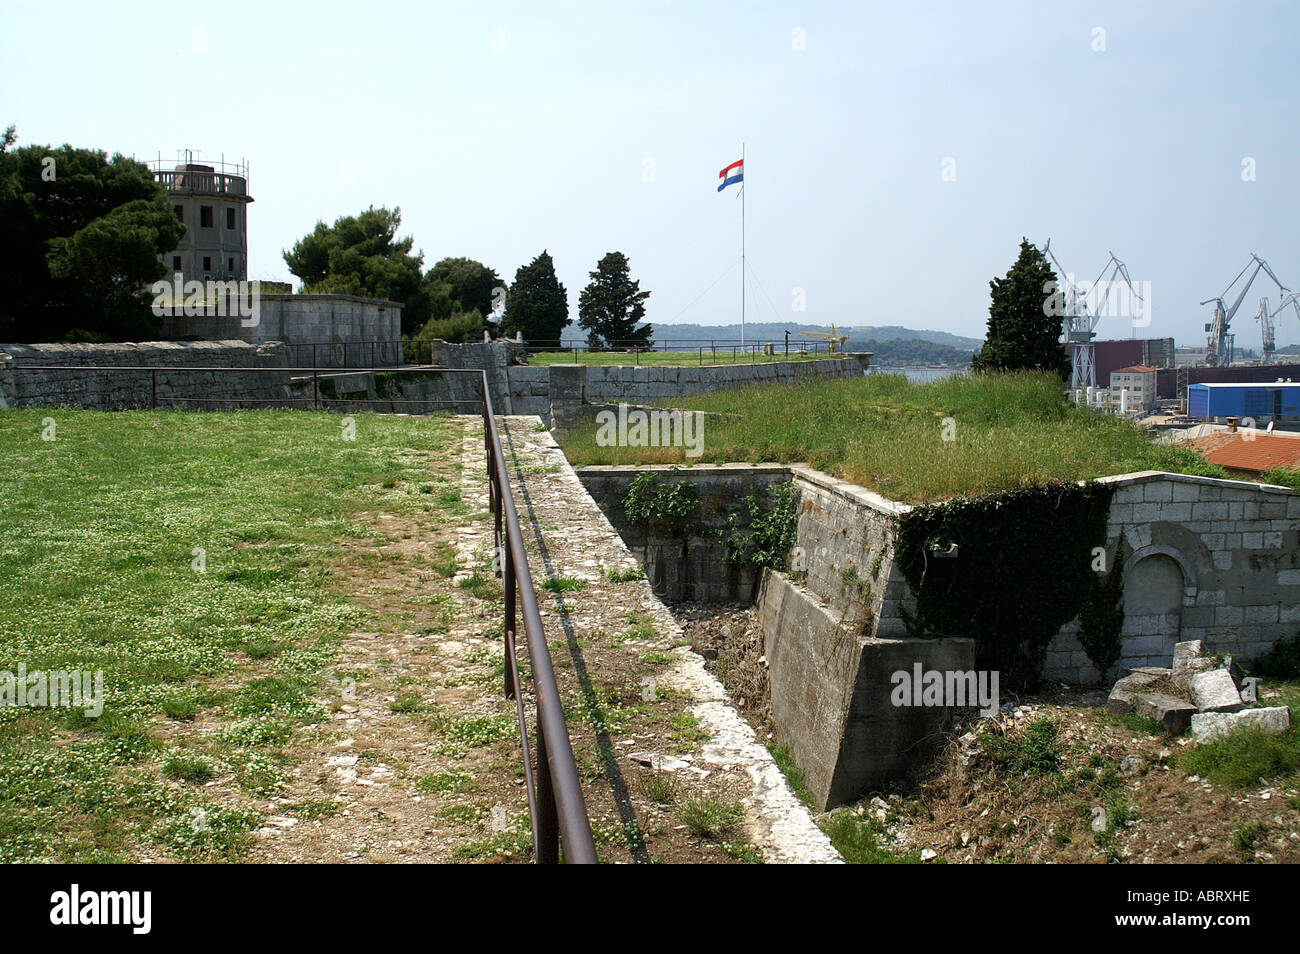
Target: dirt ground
{"type": "Point", "coordinates": [1117, 794]}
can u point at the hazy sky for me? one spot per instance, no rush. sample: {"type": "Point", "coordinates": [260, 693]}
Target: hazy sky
{"type": "Point", "coordinates": [503, 129]}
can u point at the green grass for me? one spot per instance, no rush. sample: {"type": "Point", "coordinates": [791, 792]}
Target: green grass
{"type": "Point", "coordinates": [720, 355]}
{"type": "Point", "coordinates": [186, 556]}
{"type": "Point", "coordinates": [885, 433]}
{"type": "Point", "coordinates": [862, 841]}
{"type": "Point", "coordinates": [564, 584]}
{"type": "Point", "coordinates": [1034, 751]}
{"type": "Point", "coordinates": [796, 776]}
{"type": "Point", "coordinates": [711, 817]}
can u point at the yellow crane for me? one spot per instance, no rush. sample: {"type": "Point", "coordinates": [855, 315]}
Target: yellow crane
{"type": "Point", "coordinates": [836, 341]}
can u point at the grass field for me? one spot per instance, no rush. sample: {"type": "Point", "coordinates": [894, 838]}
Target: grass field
{"type": "Point", "coordinates": [708, 356]}
{"type": "Point", "coordinates": [185, 556]}
{"type": "Point", "coordinates": [887, 434]}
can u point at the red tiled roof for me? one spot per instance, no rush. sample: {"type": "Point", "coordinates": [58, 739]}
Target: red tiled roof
{"type": "Point", "coordinates": [1263, 453]}
{"type": "Point", "coordinates": [1134, 368]}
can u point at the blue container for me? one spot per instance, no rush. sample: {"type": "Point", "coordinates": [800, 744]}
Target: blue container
{"type": "Point", "coordinates": [1258, 401]}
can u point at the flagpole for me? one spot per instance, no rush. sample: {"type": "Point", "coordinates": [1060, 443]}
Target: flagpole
{"type": "Point", "coordinates": [742, 250]}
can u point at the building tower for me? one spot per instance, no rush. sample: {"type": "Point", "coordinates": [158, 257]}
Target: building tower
{"type": "Point", "coordinates": [212, 201]}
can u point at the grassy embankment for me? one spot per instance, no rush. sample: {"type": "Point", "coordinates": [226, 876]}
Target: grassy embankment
{"type": "Point", "coordinates": [883, 432]}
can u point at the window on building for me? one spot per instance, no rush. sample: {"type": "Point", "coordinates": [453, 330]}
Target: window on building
{"type": "Point", "coordinates": [180, 212]}
{"type": "Point", "coordinates": [230, 265]}
{"type": "Point", "coordinates": [176, 263]}
{"type": "Point", "coordinates": [230, 218]}
{"type": "Point", "coordinates": [205, 216]}
{"type": "Point", "coordinates": [207, 263]}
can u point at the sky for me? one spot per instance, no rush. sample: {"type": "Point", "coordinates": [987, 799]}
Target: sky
{"type": "Point", "coordinates": [895, 153]}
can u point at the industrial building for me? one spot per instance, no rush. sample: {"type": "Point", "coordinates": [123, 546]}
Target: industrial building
{"type": "Point", "coordinates": [1261, 402]}
{"type": "Point", "coordinates": [1140, 383]}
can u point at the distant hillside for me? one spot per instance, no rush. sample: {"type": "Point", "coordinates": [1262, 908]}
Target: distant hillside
{"type": "Point", "coordinates": [775, 331]}
{"type": "Point", "coordinates": [914, 353]}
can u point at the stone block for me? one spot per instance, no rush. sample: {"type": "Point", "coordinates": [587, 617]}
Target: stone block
{"type": "Point", "coordinates": [1209, 726]}
{"type": "Point", "coordinates": [1210, 511]}
{"type": "Point", "coordinates": [1123, 695]}
{"type": "Point", "coordinates": [1214, 691]}
{"type": "Point", "coordinates": [1186, 654]}
{"type": "Point", "coordinates": [1158, 492]}
{"type": "Point", "coordinates": [1173, 713]}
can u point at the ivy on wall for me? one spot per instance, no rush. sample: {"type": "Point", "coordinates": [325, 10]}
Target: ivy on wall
{"type": "Point", "coordinates": [653, 502]}
{"type": "Point", "coordinates": [1101, 620]}
{"type": "Point", "coordinates": [1007, 569]}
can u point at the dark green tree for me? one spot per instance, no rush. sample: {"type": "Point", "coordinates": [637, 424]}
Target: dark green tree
{"type": "Point", "coordinates": [612, 305]}
{"type": "Point", "coordinates": [81, 239]}
{"type": "Point", "coordinates": [1024, 319]}
{"type": "Point", "coordinates": [536, 303]}
{"type": "Point", "coordinates": [472, 285]}
{"type": "Point", "coordinates": [362, 255]}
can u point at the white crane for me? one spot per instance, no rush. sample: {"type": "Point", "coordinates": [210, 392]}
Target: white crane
{"type": "Point", "coordinates": [1078, 325]}
{"type": "Point", "coordinates": [1218, 343]}
{"type": "Point", "coordinates": [1266, 331]}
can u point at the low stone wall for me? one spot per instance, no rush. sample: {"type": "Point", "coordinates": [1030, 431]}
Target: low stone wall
{"type": "Point", "coordinates": [572, 386]}
{"type": "Point", "coordinates": [177, 379]}
{"type": "Point", "coordinates": [333, 331]}
{"type": "Point", "coordinates": [321, 319]}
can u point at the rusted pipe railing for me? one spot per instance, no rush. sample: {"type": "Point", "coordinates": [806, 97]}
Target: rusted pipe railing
{"type": "Point", "coordinates": [555, 802]}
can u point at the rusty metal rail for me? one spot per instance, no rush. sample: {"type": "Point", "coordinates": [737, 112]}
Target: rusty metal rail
{"type": "Point", "coordinates": [556, 807]}
{"type": "Point", "coordinates": [555, 801]}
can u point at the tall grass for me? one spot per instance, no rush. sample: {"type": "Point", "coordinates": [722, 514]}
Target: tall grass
{"type": "Point", "coordinates": [886, 433]}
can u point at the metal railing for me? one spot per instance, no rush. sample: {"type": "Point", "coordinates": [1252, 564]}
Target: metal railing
{"type": "Point", "coordinates": [728, 350]}
{"type": "Point", "coordinates": [556, 806]}
{"type": "Point", "coordinates": [555, 802]}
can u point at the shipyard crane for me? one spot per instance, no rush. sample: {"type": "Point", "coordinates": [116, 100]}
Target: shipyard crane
{"type": "Point", "coordinates": [1266, 322]}
{"type": "Point", "coordinates": [1265, 330]}
{"type": "Point", "coordinates": [1079, 326]}
{"type": "Point", "coordinates": [833, 339]}
{"type": "Point", "coordinates": [1218, 343]}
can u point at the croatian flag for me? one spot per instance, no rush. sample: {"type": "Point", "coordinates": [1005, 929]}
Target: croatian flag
{"type": "Point", "coordinates": [732, 173]}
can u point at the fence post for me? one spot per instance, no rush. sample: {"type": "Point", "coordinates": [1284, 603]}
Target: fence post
{"type": "Point", "coordinates": [153, 401]}
{"type": "Point", "coordinates": [547, 838]}
{"type": "Point", "coordinates": [315, 384]}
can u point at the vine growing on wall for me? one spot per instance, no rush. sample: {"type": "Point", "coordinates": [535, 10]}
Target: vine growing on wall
{"type": "Point", "coordinates": [771, 531]}
{"type": "Point", "coordinates": [651, 500]}
{"type": "Point", "coordinates": [1101, 620]}
{"type": "Point", "coordinates": [1007, 569]}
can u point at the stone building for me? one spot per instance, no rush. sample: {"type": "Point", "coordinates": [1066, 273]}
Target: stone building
{"type": "Point", "coordinates": [212, 200]}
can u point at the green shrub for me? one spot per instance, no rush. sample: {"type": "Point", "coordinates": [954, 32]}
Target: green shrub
{"type": "Point", "coordinates": [1282, 661]}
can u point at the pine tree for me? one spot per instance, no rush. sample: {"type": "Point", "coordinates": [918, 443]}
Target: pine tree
{"type": "Point", "coordinates": [1024, 319]}
{"type": "Point", "coordinates": [612, 305]}
{"type": "Point", "coordinates": [536, 303]}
